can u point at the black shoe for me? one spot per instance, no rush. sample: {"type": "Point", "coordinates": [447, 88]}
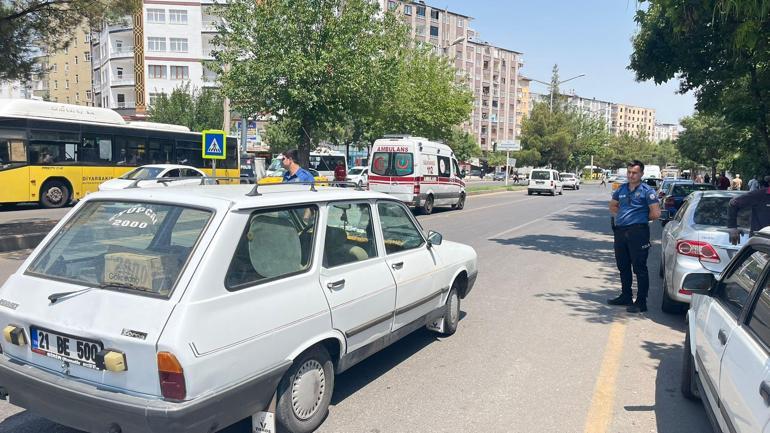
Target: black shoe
{"type": "Point", "coordinates": [620, 300]}
{"type": "Point", "coordinates": [637, 308]}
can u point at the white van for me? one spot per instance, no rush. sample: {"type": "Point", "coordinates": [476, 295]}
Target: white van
{"type": "Point", "coordinates": [417, 171]}
{"type": "Point", "coordinates": [544, 180]}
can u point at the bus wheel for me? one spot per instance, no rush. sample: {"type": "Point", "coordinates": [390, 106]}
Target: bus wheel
{"type": "Point", "coordinates": [54, 194]}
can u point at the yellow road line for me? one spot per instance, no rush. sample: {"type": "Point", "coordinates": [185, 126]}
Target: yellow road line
{"type": "Point", "coordinates": [600, 414]}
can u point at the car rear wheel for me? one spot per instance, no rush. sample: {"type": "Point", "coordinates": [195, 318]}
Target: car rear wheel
{"type": "Point", "coordinates": [460, 202]}
{"type": "Point", "coordinates": [689, 380]}
{"type": "Point", "coordinates": [305, 391]}
{"type": "Point", "coordinates": [427, 208]}
{"type": "Point", "coordinates": [669, 305]}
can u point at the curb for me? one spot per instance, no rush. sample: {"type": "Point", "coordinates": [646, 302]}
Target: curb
{"type": "Point", "coordinates": [22, 235]}
{"type": "Point", "coordinates": [20, 242]}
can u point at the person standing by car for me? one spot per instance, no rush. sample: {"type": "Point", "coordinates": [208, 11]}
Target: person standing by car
{"type": "Point", "coordinates": [759, 203]}
{"type": "Point", "coordinates": [723, 183]}
{"type": "Point", "coordinates": [340, 174]}
{"type": "Point", "coordinates": [753, 184]}
{"type": "Point", "coordinates": [294, 173]}
{"type": "Point", "coordinates": [632, 206]}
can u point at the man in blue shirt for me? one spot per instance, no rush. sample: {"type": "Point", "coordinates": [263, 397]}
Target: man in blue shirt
{"type": "Point", "coordinates": [294, 173]}
{"type": "Point", "coordinates": [632, 206]}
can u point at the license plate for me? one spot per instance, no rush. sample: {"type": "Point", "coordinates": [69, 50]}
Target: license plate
{"type": "Point", "coordinates": [65, 347]}
{"type": "Point", "coordinates": [539, 182]}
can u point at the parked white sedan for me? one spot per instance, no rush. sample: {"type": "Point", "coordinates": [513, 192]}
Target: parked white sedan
{"type": "Point", "coordinates": [359, 176]}
{"type": "Point", "coordinates": [153, 172]}
{"type": "Point", "coordinates": [725, 359]}
{"type": "Point", "coordinates": [188, 308]}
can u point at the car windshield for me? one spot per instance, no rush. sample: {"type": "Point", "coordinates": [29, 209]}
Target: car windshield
{"type": "Point", "coordinates": [683, 190]}
{"type": "Point", "coordinates": [142, 173]}
{"type": "Point", "coordinates": [567, 175]}
{"type": "Point", "coordinates": [141, 247]}
{"type": "Point", "coordinates": [712, 211]}
{"type": "Point", "coordinates": [541, 175]}
{"type": "Point", "coordinates": [355, 171]}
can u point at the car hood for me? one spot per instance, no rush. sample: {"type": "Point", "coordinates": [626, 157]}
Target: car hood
{"type": "Point", "coordinates": [115, 184]}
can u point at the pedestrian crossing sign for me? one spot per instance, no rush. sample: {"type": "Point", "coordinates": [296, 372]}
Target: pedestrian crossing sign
{"type": "Point", "coordinates": [214, 144]}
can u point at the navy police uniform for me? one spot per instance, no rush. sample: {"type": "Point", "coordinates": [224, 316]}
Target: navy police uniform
{"type": "Point", "coordinates": [632, 238]}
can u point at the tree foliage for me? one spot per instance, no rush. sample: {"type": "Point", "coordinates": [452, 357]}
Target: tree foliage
{"type": "Point", "coordinates": [29, 27]}
{"type": "Point", "coordinates": [711, 141]}
{"type": "Point", "coordinates": [187, 106]}
{"type": "Point", "coordinates": [463, 144]}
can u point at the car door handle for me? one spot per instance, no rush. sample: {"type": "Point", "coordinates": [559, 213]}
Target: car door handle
{"type": "Point", "coordinates": [722, 337]}
{"type": "Point", "coordinates": [764, 391]}
{"type": "Point", "coordinates": [334, 285]}
{"type": "Point", "coordinates": [397, 266]}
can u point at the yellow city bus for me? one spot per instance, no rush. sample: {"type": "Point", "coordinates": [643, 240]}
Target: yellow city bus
{"type": "Point", "coordinates": [54, 153]}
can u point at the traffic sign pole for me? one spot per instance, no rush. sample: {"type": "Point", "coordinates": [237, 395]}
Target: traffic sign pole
{"type": "Point", "coordinates": [214, 146]}
{"type": "Point", "coordinates": [507, 160]}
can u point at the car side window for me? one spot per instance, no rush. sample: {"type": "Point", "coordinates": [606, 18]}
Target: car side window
{"type": "Point", "coordinates": [275, 243]}
{"type": "Point", "coordinates": [398, 231]}
{"type": "Point", "coordinates": [680, 213]}
{"type": "Point", "coordinates": [187, 172]}
{"type": "Point", "coordinates": [455, 167]}
{"type": "Point", "coordinates": [759, 319]}
{"type": "Point", "coordinates": [734, 290]}
{"type": "Point", "coordinates": [349, 234]}
{"type": "Point", "coordinates": [172, 173]}
{"type": "Point", "coordinates": [444, 167]}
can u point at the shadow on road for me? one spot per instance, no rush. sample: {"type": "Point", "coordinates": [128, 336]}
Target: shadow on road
{"type": "Point", "coordinates": [28, 422]}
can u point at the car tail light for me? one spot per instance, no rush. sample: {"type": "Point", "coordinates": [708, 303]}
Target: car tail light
{"type": "Point", "coordinates": [702, 250]}
{"type": "Point", "coordinates": [171, 375]}
{"type": "Point", "coordinates": [669, 202]}
{"type": "Point", "coordinates": [685, 291]}
{"type": "Point", "coordinates": [551, 183]}
{"type": "Point", "coordinates": [416, 189]}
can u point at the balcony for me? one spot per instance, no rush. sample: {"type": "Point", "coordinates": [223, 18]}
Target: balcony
{"type": "Point", "coordinates": [125, 104]}
{"type": "Point", "coordinates": [125, 80]}
{"type": "Point", "coordinates": [210, 25]}
{"type": "Point", "coordinates": [125, 25]}
{"type": "Point", "coordinates": [122, 52]}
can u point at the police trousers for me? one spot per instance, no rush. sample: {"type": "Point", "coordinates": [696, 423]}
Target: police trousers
{"type": "Point", "coordinates": [632, 246]}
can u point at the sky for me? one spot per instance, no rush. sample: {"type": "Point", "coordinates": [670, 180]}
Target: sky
{"type": "Point", "coordinates": [590, 37]}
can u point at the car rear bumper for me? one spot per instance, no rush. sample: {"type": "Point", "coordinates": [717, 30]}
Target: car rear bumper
{"type": "Point", "coordinates": [87, 407]}
{"type": "Point", "coordinates": [684, 267]}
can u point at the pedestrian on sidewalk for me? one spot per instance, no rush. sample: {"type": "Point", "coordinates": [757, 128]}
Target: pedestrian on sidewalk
{"type": "Point", "coordinates": [604, 180]}
{"type": "Point", "coordinates": [723, 183]}
{"type": "Point", "coordinates": [737, 183]}
{"type": "Point", "coordinates": [707, 178]}
{"type": "Point", "coordinates": [759, 203]}
{"type": "Point", "coordinates": [753, 184]}
{"type": "Point", "coordinates": [633, 205]}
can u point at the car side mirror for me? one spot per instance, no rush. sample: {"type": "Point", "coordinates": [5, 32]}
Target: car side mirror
{"type": "Point", "coordinates": [434, 238]}
{"type": "Point", "coordinates": [699, 284]}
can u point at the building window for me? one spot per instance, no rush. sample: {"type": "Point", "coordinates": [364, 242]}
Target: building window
{"type": "Point", "coordinates": [179, 73]}
{"type": "Point", "coordinates": [178, 45]}
{"type": "Point", "coordinates": [460, 22]}
{"type": "Point", "coordinates": [77, 96]}
{"type": "Point", "coordinates": [55, 67]}
{"type": "Point", "coordinates": [66, 84]}
{"type": "Point", "coordinates": [77, 78]}
{"type": "Point", "coordinates": [421, 11]}
{"type": "Point", "coordinates": [88, 37]}
{"type": "Point", "coordinates": [392, 5]}
{"type": "Point", "coordinates": [177, 16]}
{"type": "Point", "coordinates": [156, 71]}
{"type": "Point", "coordinates": [76, 60]}
{"type": "Point", "coordinates": [434, 31]}
{"type": "Point", "coordinates": [119, 73]}
{"type": "Point", "coordinates": [407, 9]}
{"type": "Point", "coordinates": [56, 85]}
{"type": "Point", "coordinates": [87, 56]}
{"type": "Point", "coordinates": [156, 44]}
{"type": "Point", "coordinates": [420, 29]}
{"type": "Point", "coordinates": [66, 67]}
{"type": "Point", "coordinates": [434, 14]}
{"type": "Point", "coordinates": [156, 16]}
{"type": "Point", "coordinates": [88, 95]}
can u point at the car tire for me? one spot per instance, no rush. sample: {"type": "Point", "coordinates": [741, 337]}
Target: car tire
{"type": "Point", "coordinates": [561, 191]}
{"type": "Point", "coordinates": [669, 305]}
{"type": "Point", "coordinates": [451, 312]}
{"type": "Point", "coordinates": [360, 184]}
{"type": "Point", "coordinates": [689, 379]}
{"type": "Point", "coordinates": [54, 194]}
{"type": "Point", "coordinates": [460, 205]}
{"type": "Point", "coordinates": [529, 192]}
{"type": "Point", "coordinates": [305, 392]}
{"type": "Point", "coordinates": [427, 208]}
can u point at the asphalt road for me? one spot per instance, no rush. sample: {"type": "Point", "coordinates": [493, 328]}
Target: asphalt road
{"type": "Point", "coordinates": [537, 349]}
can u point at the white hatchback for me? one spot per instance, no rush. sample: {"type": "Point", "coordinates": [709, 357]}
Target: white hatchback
{"type": "Point", "coordinates": [569, 180]}
{"type": "Point", "coordinates": [190, 308]}
{"type": "Point", "coordinates": [154, 175]}
{"type": "Point", "coordinates": [545, 181]}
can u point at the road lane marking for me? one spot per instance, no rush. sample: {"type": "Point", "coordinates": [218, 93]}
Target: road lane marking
{"type": "Point", "coordinates": [600, 413]}
{"type": "Point", "coordinates": [465, 211]}
{"type": "Point", "coordinates": [521, 226]}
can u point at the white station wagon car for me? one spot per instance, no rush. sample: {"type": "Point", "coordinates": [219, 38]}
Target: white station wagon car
{"type": "Point", "coordinates": [161, 174]}
{"type": "Point", "coordinates": [190, 308]}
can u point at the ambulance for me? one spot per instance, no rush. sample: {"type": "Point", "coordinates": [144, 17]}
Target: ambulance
{"type": "Point", "coordinates": [421, 173]}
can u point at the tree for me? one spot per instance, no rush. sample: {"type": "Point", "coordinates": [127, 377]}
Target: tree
{"type": "Point", "coordinates": [709, 140]}
{"type": "Point", "coordinates": [464, 145]}
{"type": "Point", "coordinates": [196, 109]}
{"type": "Point", "coordinates": [720, 49]}
{"type": "Point", "coordinates": [281, 135]}
{"type": "Point", "coordinates": [29, 27]}
{"type": "Point", "coordinates": [313, 62]}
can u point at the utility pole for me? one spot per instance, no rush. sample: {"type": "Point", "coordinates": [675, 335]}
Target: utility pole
{"type": "Point", "coordinates": [551, 89]}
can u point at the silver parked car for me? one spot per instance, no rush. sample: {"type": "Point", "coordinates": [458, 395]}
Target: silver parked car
{"type": "Point", "coordinates": [696, 241]}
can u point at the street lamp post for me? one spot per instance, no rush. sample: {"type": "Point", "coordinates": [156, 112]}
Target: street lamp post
{"type": "Point", "coordinates": [550, 86]}
{"type": "Point", "coordinates": [445, 49]}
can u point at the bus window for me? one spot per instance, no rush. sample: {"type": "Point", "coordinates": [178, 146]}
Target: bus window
{"type": "Point", "coordinates": [232, 149]}
{"type": "Point", "coordinates": [52, 147]}
{"type": "Point", "coordinates": [189, 153]}
{"type": "Point", "coordinates": [13, 149]}
{"type": "Point", "coordinates": [130, 151]}
{"type": "Point", "coordinates": [161, 151]}
{"type": "Point", "coordinates": [96, 149]}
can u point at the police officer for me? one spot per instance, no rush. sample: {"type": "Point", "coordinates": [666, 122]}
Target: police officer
{"type": "Point", "coordinates": [632, 206]}
{"type": "Point", "coordinates": [294, 173]}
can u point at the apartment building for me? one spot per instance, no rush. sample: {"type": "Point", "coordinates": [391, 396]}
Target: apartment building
{"type": "Point", "coordinates": [176, 40]}
{"type": "Point", "coordinates": [595, 108]}
{"type": "Point", "coordinates": [665, 131]}
{"type": "Point", "coordinates": [637, 121]}
{"type": "Point", "coordinates": [66, 74]}
{"type": "Point", "coordinates": [491, 72]}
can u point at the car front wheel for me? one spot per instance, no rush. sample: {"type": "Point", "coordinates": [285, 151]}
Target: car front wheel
{"type": "Point", "coordinates": [451, 312]}
{"type": "Point", "coordinates": [305, 392]}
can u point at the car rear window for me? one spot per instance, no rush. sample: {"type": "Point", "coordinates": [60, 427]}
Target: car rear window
{"type": "Point", "coordinates": [392, 163]}
{"type": "Point", "coordinates": [686, 189]}
{"type": "Point", "coordinates": [541, 175]}
{"type": "Point", "coordinates": [129, 246]}
{"type": "Point", "coordinates": [712, 211]}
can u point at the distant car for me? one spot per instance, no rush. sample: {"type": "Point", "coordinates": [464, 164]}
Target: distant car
{"type": "Point", "coordinates": [654, 182]}
{"type": "Point", "coordinates": [475, 173]}
{"type": "Point", "coordinates": [667, 183]}
{"type": "Point", "coordinates": [545, 181]}
{"type": "Point", "coordinates": [619, 180]}
{"type": "Point", "coordinates": [569, 180]}
{"type": "Point", "coordinates": [675, 195]}
{"type": "Point", "coordinates": [154, 172]}
{"type": "Point", "coordinates": [359, 176]}
{"type": "Point", "coordinates": [725, 358]}
{"type": "Point", "coordinates": [695, 242]}
{"type": "Point", "coordinates": [499, 176]}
